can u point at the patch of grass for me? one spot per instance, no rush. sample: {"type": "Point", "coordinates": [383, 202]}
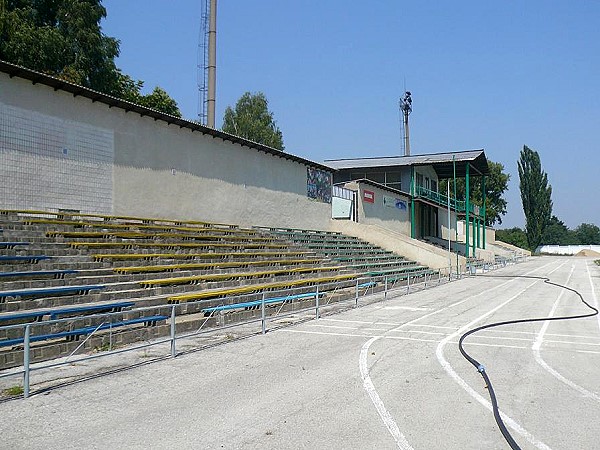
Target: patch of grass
{"type": "Point", "coordinates": [597, 262]}
{"type": "Point", "coordinates": [14, 391]}
{"type": "Point", "coordinates": [103, 348]}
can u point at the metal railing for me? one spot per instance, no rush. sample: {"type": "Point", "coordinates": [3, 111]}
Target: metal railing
{"type": "Point", "coordinates": [329, 298]}
{"type": "Point", "coordinates": [442, 200]}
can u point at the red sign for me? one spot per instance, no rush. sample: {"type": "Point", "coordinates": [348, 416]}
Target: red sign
{"type": "Point", "coordinates": [369, 196]}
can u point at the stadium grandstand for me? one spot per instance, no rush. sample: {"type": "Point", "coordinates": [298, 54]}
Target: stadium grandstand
{"type": "Point", "coordinates": [122, 224]}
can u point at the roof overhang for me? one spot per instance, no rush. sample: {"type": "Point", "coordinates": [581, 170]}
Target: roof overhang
{"type": "Point", "coordinates": [383, 187]}
{"type": "Point", "coordinates": [445, 164]}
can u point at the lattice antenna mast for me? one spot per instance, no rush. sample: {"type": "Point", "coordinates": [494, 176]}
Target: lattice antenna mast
{"type": "Point", "coordinates": [405, 110]}
{"type": "Point", "coordinates": [207, 63]}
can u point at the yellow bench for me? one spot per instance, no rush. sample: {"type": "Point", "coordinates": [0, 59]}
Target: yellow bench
{"type": "Point", "coordinates": [234, 275]}
{"type": "Point", "coordinates": [93, 245]}
{"type": "Point", "coordinates": [59, 214]}
{"type": "Point", "coordinates": [215, 293]}
{"type": "Point", "coordinates": [213, 265]}
{"type": "Point", "coordinates": [126, 256]}
{"type": "Point", "coordinates": [139, 226]}
{"type": "Point", "coordinates": [99, 234]}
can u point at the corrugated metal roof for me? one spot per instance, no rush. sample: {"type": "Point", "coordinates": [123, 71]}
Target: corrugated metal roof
{"type": "Point", "coordinates": [443, 163]}
{"type": "Point", "coordinates": [36, 77]}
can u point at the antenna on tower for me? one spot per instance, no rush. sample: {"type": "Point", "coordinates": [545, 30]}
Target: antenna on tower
{"type": "Point", "coordinates": [207, 62]}
{"type": "Point", "coordinates": [405, 110]}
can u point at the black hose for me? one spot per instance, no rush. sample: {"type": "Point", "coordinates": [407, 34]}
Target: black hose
{"type": "Point", "coordinates": [481, 369]}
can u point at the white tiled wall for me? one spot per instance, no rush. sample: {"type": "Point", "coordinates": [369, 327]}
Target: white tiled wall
{"type": "Point", "coordinates": [49, 163]}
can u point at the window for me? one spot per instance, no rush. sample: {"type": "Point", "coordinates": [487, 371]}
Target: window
{"type": "Point", "coordinates": [419, 180]}
{"type": "Point", "coordinates": [434, 187]}
{"type": "Point", "coordinates": [377, 177]}
{"type": "Point", "coordinates": [392, 180]}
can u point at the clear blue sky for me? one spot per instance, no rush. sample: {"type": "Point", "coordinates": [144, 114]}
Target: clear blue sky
{"type": "Point", "coordinates": [483, 74]}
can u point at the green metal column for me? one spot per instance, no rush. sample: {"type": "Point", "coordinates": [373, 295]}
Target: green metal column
{"type": "Point", "coordinates": [413, 230]}
{"type": "Point", "coordinates": [478, 222]}
{"type": "Point", "coordinates": [483, 191]}
{"type": "Point", "coordinates": [467, 206]}
{"type": "Point", "coordinates": [455, 215]}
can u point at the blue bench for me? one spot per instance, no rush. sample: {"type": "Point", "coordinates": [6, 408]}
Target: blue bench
{"type": "Point", "coordinates": [51, 291]}
{"type": "Point", "coordinates": [256, 303]}
{"type": "Point", "coordinates": [12, 244]}
{"type": "Point", "coordinates": [24, 258]}
{"type": "Point", "coordinates": [54, 313]}
{"type": "Point", "coordinates": [367, 284]}
{"type": "Point", "coordinates": [58, 274]}
{"type": "Point", "coordinates": [75, 334]}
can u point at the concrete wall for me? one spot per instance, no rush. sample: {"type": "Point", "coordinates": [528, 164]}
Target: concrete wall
{"type": "Point", "coordinates": [120, 163]}
{"type": "Point", "coordinates": [490, 233]}
{"type": "Point", "coordinates": [385, 214]}
{"type": "Point", "coordinates": [592, 250]}
{"type": "Point", "coordinates": [443, 223]}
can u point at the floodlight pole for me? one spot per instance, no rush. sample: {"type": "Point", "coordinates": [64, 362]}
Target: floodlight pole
{"type": "Point", "coordinates": [406, 108]}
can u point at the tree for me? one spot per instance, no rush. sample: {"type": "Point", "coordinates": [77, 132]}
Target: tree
{"type": "Point", "coordinates": [496, 183]}
{"type": "Point", "coordinates": [588, 234]}
{"type": "Point", "coordinates": [160, 101]}
{"type": "Point", "coordinates": [557, 233]}
{"type": "Point", "coordinates": [536, 196]}
{"type": "Point", "coordinates": [252, 120]}
{"type": "Point", "coordinates": [63, 38]}
{"type": "Point", "coordinates": [514, 236]}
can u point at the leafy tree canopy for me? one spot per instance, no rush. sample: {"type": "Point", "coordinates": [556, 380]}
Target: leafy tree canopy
{"type": "Point", "coordinates": [588, 234]}
{"type": "Point", "coordinates": [496, 183]}
{"type": "Point", "coordinates": [536, 196]}
{"type": "Point", "coordinates": [515, 236]}
{"type": "Point", "coordinates": [557, 233]}
{"type": "Point", "coordinates": [159, 100]}
{"type": "Point", "coordinates": [251, 119]}
{"type": "Point", "coordinates": [63, 38]}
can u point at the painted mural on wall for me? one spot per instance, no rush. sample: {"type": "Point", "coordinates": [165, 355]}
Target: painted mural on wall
{"type": "Point", "coordinates": [393, 202]}
{"type": "Point", "coordinates": [318, 185]}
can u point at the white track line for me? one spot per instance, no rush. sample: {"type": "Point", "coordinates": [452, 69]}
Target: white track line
{"type": "Point", "coordinates": [483, 401]}
{"type": "Point", "coordinates": [587, 266]}
{"type": "Point", "coordinates": [432, 326]}
{"type": "Point", "coordinates": [400, 338]}
{"type": "Point", "coordinates": [388, 420]}
{"type": "Point", "coordinates": [588, 351]}
{"type": "Point", "coordinates": [540, 340]}
{"type": "Point", "coordinates": [370, 387]}
{"type": "Point", "coordinates": [573, 336]}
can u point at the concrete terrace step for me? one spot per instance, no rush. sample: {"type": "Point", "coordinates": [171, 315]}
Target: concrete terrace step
{"type": "Point", "coordinates": [174, 247]}
{"type": "Point", "coordinates": [115, 276]}
{"type": "Point", "coordinates": [224, 292]}
{"type": "Point", "coordinates": [200, 256]}
{"type": "Point", "coordinates": [129, 290]}
{"type": "Point", "coordinates": [108, 225]}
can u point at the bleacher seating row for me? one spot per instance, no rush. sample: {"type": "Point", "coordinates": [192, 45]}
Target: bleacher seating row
{"type": "Point", "coordinates": [56, 266]}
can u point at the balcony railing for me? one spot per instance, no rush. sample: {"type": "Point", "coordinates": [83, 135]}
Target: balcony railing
{"type": "Point", "coordinates": [442, 200]}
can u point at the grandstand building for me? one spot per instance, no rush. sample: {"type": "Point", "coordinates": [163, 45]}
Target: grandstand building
{"type": "Point", "coordinates": [119, 223]}
{"type": "Point", "coordinates": [65, 147]}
